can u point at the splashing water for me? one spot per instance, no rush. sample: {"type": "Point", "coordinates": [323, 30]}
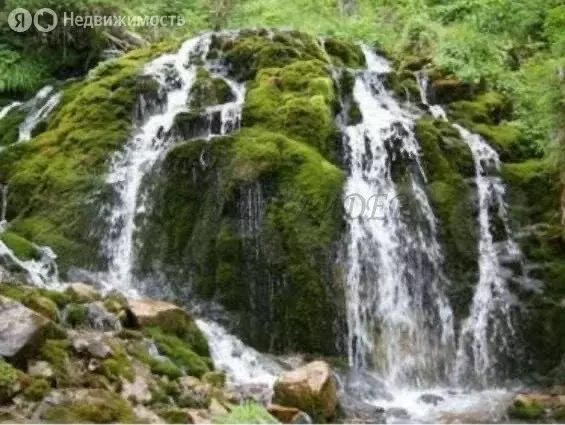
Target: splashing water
{"type": "Point", "coordinates": [398, 318]}
{"type": "Point", "coordinates": [241, 363]}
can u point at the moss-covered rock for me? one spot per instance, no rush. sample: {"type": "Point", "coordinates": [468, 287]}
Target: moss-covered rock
{"type": "Point", "coordinates": [9, 381]}
{"type": "Point", "coordinates": [200, 215]}
{"type": "Point", "coordinates": [209, 91]}
{"type": "Point", "coordinates": [93, 406]}
{"type": "Point", "coordinates": [37, 389]}
{"type": "Point", "coordinates": [344, 53]}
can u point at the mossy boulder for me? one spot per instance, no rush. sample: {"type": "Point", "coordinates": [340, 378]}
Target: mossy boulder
{"type": "Point", "coordinates": [9, 126]}
{"type": "Point", "coordinates": [344, 53]}
{"type": "Point", "coordinates": [21, 247]}
{"type": "Point", "coordinates": [201, 224]}
{"type": "Point", "coordinates": [209, 91]}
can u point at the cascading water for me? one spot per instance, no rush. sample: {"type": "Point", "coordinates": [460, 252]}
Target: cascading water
{"type": "Point", "coordinates": [44, 102]}
{"type": "Point", "coordinates": [398, 318]}
{"type": "Point", "coordinates": [488, 331]}
{"type": "Point", "coordinates": [41, 271]}
{"type": "Point", "coordinates": [176, 75]}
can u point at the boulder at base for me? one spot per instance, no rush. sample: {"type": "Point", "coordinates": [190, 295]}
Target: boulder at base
{"type": "Point", "coordinates": [21, 330]}
{"type": "Point", "coordinates": [310, 388]}
{"type": "Point", "coordinates": [152, 312]}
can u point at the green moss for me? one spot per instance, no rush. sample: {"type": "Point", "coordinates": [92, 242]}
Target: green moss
{"type": "Point", "coordinates": [115, 302]}
{"type": "Point", "coordinates": [9, 381]}
{"type": "Point", "coordinates": [505, 138]}
{"type": "Point", "coordinates": [60, 298]}
{"type": "Point", "coordinates": [488, 108]}
{"type": "Point", "coordinates": [250, 53]}
{"type": "Point", "coordinates": [76, 315]}
{"type": "Point", "coordinates": [208, 91]}
{"type": "Point", "coordinates": [248, 413]}
{"type": "Point", "coordinates": [404, 85]}
{"type": "Point", "coordinates": [56, 352]}
{"type": "Point", "coordinates": [344, 53]}
{"type": "Point", "coordinates": [37, 390]}
{"type": "Point", "coordinates": [297, 100]}
{"type": "Point", "coordinates": [163, 367]}
{"type": "Point", "coordinates": [43, 306]}
{"type": "Point", "coordinates": [532, 412]}
{"type": "Point", "coordinates": [14, 291]}
{"type": "Point", "coordinates": [21, 247]}
{"type": "Point", "coordinates": [9, 126]}
{"type": "Point", "coordinates": [180, 352]}
{"type": "Point", "coordinates": [118, 366]}
{"type": "Point", "coordinates": [98, 407]}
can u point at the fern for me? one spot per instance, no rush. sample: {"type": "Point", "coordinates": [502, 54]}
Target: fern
{"type": "Point", "coordinates": [20, 73]}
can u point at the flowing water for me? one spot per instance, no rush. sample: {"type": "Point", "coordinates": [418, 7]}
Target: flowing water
{"type": "Point", "coordinates": [176, 74]}
{"type": "Point", "coordinates": [44, 102]}
{"type": "Point", "coordinates": [488, 332]}
{"type": "Point", "coordinates": [399, 321]}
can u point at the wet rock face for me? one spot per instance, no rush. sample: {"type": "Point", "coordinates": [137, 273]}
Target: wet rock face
{"type": "Point", "coordinates": [21, 330]}
{"type": "Point", "coordinates": [310, 388]}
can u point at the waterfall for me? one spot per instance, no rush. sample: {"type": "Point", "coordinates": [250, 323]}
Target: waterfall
{"type": "Point", "coordinates": [399, 321]}
{"type": "Point", "coordinates": [43, 103]}
{"type": "Point", "coordinates": [6, 109]}
{"type": "Point", "coordinates": [176, 74]}
{"type": "Point", "coordinates": [488, 330]}
{"type": "Point", "coordinates": [487, 333]}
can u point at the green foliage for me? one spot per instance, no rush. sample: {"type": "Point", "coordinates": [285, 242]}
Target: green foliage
{"type": "Point", "coordinates": [9, 126]}
{"type": "Point", "coordinates": [21, 247]}
{"type": "Point", "coordinates": [531, 412]}
{"type": "Point", "coordinates": [248, 413]}
{"type": "Point", "coordinates": [76, 315]}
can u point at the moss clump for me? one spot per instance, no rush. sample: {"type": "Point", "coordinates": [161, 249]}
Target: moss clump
{"type": "Point", "coordinates": [252, 52]}
{"type": "Point", "coordinates": [97, 406]}
{"type": "Point", "coordinates": [76, 315]}
{"type": "Point", "coordinates": [344, 53]}
{"type": "Point", "coordinates": [297, 100]}
{"type": "Point", "coordinates": [43, 306]}
{"type": "Point", "coordinates": [173, 415]}
{"type": "Point", "coordinates": [118, 366]}
{"type": "Point", "coordinates": [21, 247]}
{"type": "Point", "coordinates": [488, 108]}
{"type": "Point", "coordinates": [10, 126]}
{"type": "Point", "coordinates": [530, 412]}
{"type": "Point", "coordinates": [115, 302]}
{"type": "Point", "coordinates": [55, 177]}
{"type": "Point", "coordinates": [209, 91]}
{"type": "Point", "coordinates": [180, 352]}
{"type": "Point", "coordinates": [55, 352]}
{"type": "Point", "coordinates": [248, 413]}
{"type": "Point", "coordinates": [37, 390]}
{"type": "Point", "coordinates": [9, 381]}
{"type": "Point", "coordinates": [14, 291]}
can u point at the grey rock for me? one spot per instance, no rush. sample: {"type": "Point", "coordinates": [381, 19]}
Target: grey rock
{"type": "Point", "coordinates": [430, 399]}
{"type": "Point", "coordinates": [100, 319]}
{"type": "Point", "coordinates": [22, 330]}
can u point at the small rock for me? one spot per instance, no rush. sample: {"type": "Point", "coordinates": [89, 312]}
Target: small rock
{"type": "Point", "coordinates": [83, 293]}
{"type": "Point", "coordinates": [310, 388]}
{"type": "Point", "coordinates": [146, 415]}
{"type": "Point", "coordinates": [100, 319]}
{"type": "Point", "coordinates": [22, 331]}
{"type": "Point", "coordinates": [397, 412]}
{"type": "Point", "coordinates": [194, 394]}
{"type": "Point", "coordinates": [198, 416]}
{"type": "Point", "coordinates": [216, 408]}
{"type": "Point", "coordinates": [92, 346]}
{"type": "Point", "coordinates": [216, 379]}
{"type": "Point", "coordinates": [138, 390]}
{"type": "Point", "coordinates": [430, 399]}
{"type": "Point", "coordinates": [40, 369]}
